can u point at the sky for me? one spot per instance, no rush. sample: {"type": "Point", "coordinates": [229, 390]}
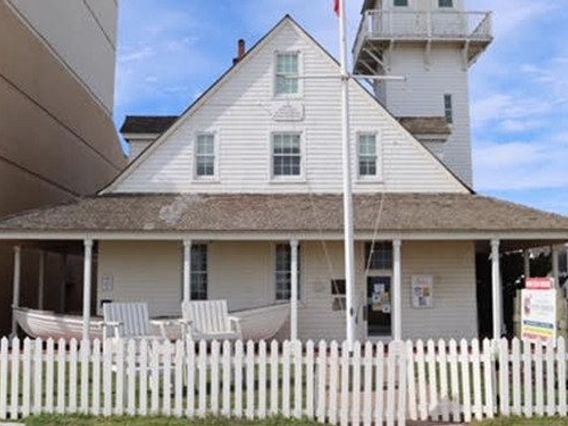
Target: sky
{"type": "Point", "coordinates": [171, 51]}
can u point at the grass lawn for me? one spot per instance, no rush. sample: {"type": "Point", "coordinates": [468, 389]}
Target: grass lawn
{"type": "Point", "coordinates": [517, 421]}
{"type": "Point", "coordinates": [157, 421]}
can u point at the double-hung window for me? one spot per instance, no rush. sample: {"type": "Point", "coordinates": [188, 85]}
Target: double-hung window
{"type": "Point", "coordinates": [286, 155]}
{"type": "Point", "coordinates": [287, 73]}
{"type": "Point", "coordinates": [367, 155]}
{"type": "Point", "coordinates": [283, 271]}
{"type": "Point", "coordinates": [205, 156]}
{"type": "Point", "coordinates": [199, 272]}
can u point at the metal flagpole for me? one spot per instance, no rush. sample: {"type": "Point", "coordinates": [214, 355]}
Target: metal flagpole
{"type": "Point", "coordinates": [351, 313]}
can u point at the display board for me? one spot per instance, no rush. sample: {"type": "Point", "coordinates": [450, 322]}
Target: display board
{"type": "Point", "coordinates": [538, 311]}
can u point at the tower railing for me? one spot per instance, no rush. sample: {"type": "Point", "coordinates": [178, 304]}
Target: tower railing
{"type": "Point", "coordinates": [423, 25]}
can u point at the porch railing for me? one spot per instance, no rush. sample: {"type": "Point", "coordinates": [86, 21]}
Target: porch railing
{"type": "Point", "coordinates": [415, 25]}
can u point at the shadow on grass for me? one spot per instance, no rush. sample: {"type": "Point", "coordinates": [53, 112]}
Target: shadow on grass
{"type": "Point", "coordinates": [159, 421]}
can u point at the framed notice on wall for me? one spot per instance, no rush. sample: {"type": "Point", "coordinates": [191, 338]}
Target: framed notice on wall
{"type": "Point", "coordinates": [422, 291]}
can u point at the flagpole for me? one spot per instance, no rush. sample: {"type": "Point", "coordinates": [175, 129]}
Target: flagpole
{"type": "Point", "coordinates": [351, 313]}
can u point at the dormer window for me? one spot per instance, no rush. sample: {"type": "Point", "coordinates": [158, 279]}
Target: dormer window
{"type": "Point", "coordinates": [205, 156]}
{"type": "Point", "coordinates": [287, 73]}
{"type": "Point", "coordinates": [446, 3]}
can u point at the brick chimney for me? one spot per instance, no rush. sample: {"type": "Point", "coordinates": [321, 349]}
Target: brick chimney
{"type": "Point", "coordinates": [242, 51]}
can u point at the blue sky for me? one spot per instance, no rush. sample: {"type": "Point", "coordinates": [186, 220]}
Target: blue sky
{"type": "Point", "coordinates": [170, 51]}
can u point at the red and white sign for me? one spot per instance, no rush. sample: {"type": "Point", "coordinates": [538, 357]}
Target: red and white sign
{"type": "Point", "coordinates": [540, 283]}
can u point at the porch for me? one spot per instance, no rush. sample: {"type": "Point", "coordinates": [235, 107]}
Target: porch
{"type": "Point", "coordinates": [417, 281]}
{"type": "Point", "coordinates": [405, 289]}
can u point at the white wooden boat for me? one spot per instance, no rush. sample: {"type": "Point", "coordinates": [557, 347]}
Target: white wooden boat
{"type": "Point", "coordinates": [46, 324]}
{"type": "Point", "coordinates": [257, 324]}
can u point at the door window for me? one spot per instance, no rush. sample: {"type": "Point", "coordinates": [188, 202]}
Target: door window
{"type": "Point", "coordinates": [379, 306]}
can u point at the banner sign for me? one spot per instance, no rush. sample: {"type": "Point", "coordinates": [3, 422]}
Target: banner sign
{"type": "Point", "coordinates": [540, 283]}
{"type": "Point", "coordinates": [538, 315]}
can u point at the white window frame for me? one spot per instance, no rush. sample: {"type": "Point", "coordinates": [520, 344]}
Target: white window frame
{"type": "Point", "coordinates": [300, 73]}
{"type": "Point", "coordinates": [378, 153]}
{"type": "Point", "coordinates": [287, 178]}
{"type": "Point", "coordinates": [215, 176]}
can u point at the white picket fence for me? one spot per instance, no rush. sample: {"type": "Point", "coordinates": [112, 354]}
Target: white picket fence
{"type": "Point", "coordinates": [373, 384]}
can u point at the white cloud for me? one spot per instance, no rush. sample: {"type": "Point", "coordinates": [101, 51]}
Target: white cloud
{"type": "Point", "coordinates": [511, 15]}
{"type": "Point", "coordinates": [500, 107]}
{"type": "Point", "coordinates": [518, 166]}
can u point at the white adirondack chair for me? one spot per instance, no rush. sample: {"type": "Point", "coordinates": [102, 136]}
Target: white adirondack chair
{"type": "Point", "coordinates": [209, 320]}
{"type": "Point", "coordinates": [131, 321]}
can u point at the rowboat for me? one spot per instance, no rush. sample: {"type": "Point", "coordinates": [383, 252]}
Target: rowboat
{"type": "Point", "coordinates": [261, 323]}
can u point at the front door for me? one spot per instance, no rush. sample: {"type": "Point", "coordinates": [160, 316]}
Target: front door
{"type": "Point", "coordinates": [378, 306]}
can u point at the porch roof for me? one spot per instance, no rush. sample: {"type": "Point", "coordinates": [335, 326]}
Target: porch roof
{"type": "Point", "coordinates": [153, 213]}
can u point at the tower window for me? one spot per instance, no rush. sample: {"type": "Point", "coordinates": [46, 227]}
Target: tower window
{"type": "Point", "coordinates": [445, 3]}
{"type": "Point", "coordinates": [401, 3]}
{"type": "Point", "coordinates": [448, 108]}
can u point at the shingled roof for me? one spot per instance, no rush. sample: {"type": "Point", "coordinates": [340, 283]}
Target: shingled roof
{"type": "Point", "coordinates": [147, 124]}
{"type": "Point", "coordinates": [285, 213]}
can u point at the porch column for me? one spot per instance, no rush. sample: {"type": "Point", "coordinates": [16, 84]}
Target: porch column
{"type": "Point", "coordinates": [87, 278]}
{"type": "Point", "coordinates": [41, 280]}
{"type": "Point", "coordinates": [187, 270]}
{"type": "Point", "coordinates": [294, 290]}
{"type": "Point", "coordinates": [496, 289]}
{"type": "Point", "coordinates": [527, 265]}
{"type": "Point", "coordinates": [554, 253]}
{"type": "Point", "coordinates": [396, 291]}
{"type": "Point", "coordinates": [16, 286]}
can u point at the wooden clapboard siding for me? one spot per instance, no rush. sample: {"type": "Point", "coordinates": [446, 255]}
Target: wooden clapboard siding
{"type": "Point", "coordinates": [445, 75]}
{"type": "Point", "coordinates": [243, 274]}
{"type": "Point", "coordinates": [452, 264]}
{"type": "Point", "coordinates": [239, 111]}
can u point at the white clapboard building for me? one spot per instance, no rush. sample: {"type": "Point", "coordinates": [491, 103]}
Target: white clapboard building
{"type": "Point", "coordinates": [240, 198]}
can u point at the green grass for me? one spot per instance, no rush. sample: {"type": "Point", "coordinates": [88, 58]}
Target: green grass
{"type": "Point", "coordinates": [517, 421]}
{"type": "Point", "coordinates": [157, 421]}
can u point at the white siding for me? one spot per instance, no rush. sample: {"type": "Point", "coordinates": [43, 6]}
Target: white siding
{"type": "Point", "coordinates": [240, 113]}
{"type": "Point", "coordinates": [455, 302]}
{"type": "Point", "coordinates": [422, 95]}
{"type": "Point", "coordinates": [142, 272]}
{"type": "Point", "coordinates": [243, 274]}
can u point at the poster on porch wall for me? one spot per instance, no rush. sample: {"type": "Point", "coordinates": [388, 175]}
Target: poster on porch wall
{"type": "Point", "coordinates": [422, 291]}
{"type": "Point", "coordinates": [538, 315]}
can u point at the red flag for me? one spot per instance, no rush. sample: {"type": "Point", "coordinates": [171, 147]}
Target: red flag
{"type": "Point", "coordinates": [337, 7]}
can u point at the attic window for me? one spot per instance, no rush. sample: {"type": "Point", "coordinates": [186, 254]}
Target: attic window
{"type": "Point", "coordinates": [205, 155]}
{"type": "Point", "coordinates": [287, 73]}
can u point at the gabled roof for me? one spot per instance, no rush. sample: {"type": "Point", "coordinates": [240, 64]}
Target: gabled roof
{"type": "Point", "coordinates": [145, 214]}
{"type": "Point", "coordinates": [202, 100]}
{"type": "Point", "coordinates": [147, 124]}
